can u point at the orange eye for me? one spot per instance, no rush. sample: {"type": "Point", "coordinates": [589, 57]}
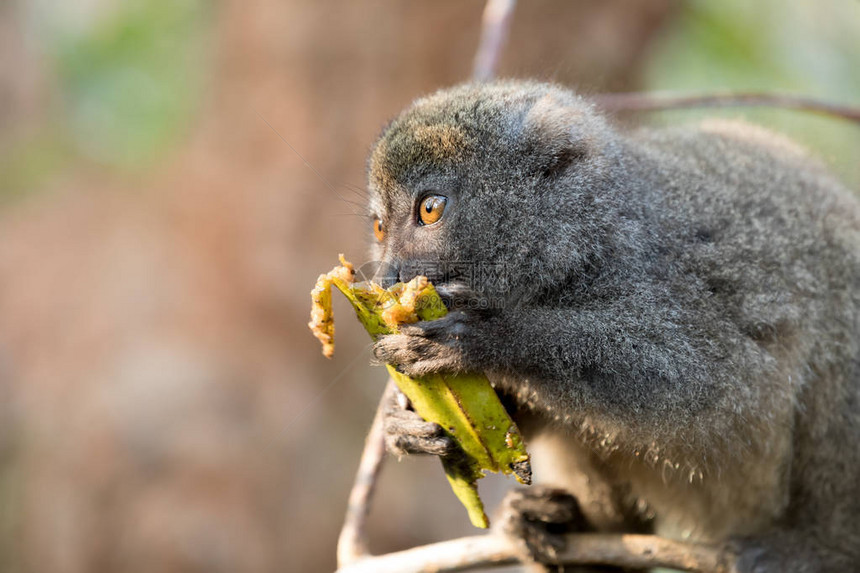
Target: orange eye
{"type": "Point", "coordinates": [431, 209]}
{"type": "Point", "coordinates": [378, 229]}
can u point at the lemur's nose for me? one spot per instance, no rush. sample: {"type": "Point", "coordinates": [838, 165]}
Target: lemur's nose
{"type": "Point", "coordinates": [387, 274]}
{"type": "Point", "coordinates": [386, 281]}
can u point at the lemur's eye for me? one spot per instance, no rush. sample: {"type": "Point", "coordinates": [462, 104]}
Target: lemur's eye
{"type": "Point", "coordinates": [431, 209]}
{"type": "Point", "coordinates": [378, 229]}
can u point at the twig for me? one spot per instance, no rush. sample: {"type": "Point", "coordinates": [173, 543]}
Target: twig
{"type": "Point", "coordinates": [494, 32]}
{"type": "Point", "coordinates": [493, 550]}
{"type": "Point", "coordinates": [352, 543]}
{"type": "Point", "coordinates": [615, 102]}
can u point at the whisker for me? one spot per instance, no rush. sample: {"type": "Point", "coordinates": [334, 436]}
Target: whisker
{"type": "Point", "coordinates": [325, 181]}
{"type": "Point", "coordinates": [360, 206]}
{"type": "Point", "coordinates": [348, 215]}
{"type": "Point", "coordinates": [361, 191]}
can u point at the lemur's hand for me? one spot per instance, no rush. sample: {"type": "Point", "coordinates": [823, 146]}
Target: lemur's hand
{"type": "Point", "coordinates": [451, 344]}
{"type": "Point", "coordinates": [408, 433]}
{"type": "Point", "coordinates": [442, 345]}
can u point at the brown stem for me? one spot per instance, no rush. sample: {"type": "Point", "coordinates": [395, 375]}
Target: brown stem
{"type": "Point", "coordinates": [493, 550]}
{"type": "Point", "coordinates": [352, 543]}
{"type": "Point", "coordinates": [494, 32]}
{"type": "Point", "coordinates": [614, 102]}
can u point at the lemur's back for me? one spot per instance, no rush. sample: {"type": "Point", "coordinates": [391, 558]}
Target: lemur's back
{"type": "Point", "coordinates": [774, 242]}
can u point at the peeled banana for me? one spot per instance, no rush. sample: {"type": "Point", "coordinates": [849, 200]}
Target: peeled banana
{"type": "Point", "coordinates": [465, 405]}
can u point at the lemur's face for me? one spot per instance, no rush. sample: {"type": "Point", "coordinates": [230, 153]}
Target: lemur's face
{"type": "Point", "coordinates": [417, 175]}
{"type": "Point", "coordinates": [457, 180]}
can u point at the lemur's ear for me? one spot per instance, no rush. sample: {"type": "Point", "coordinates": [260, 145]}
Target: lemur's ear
{"type": "Point", "coordinates": [554, 136]}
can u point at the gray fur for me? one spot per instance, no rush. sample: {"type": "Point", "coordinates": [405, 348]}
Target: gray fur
{"type": "Point", "coordinates": [680, 317]}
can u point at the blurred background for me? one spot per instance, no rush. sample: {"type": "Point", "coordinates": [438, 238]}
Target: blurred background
{"type": "Point", "coordinates": [163, 406]}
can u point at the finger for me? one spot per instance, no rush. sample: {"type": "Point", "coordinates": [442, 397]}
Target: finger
{"type": "Point", "coordinates": [550, 505]}
{"type": "Point", "coordinates": [395, 349]}
{"type": "Point", "coordinates": [410, 423]}
{"type": "Point", "coordinates": [404, 444]}
{"type": "Point", "coordinates": [450, 326]}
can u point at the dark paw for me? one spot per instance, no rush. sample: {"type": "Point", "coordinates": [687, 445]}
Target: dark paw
{"type": "Point", "coordinates": [538, 518]}
{"type": "Point", "coordinates": [428, 346]}
{"type": "Point", "coordinates": [407, 433]}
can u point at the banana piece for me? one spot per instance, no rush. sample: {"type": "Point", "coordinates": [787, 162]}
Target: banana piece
{"type": "Point", "coordinates": [465, 405]}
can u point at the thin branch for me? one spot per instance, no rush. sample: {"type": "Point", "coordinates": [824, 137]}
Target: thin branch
{"type": "Point", "coordinates": [494, 32]}
{"type": "Point", "coordinates": [493, 550]}
{"type": "Point", "coordinates": [614, 102]}
{"type": "Point", "coordinates": [352, 543]}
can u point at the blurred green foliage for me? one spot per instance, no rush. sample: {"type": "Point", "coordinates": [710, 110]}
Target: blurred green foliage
{"type": "Point", "coordinates": [130, 84]}
{"type": "Point", "coordinates": [125, 79]}
{"type": "Point", "coordinates": [809, 47]}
